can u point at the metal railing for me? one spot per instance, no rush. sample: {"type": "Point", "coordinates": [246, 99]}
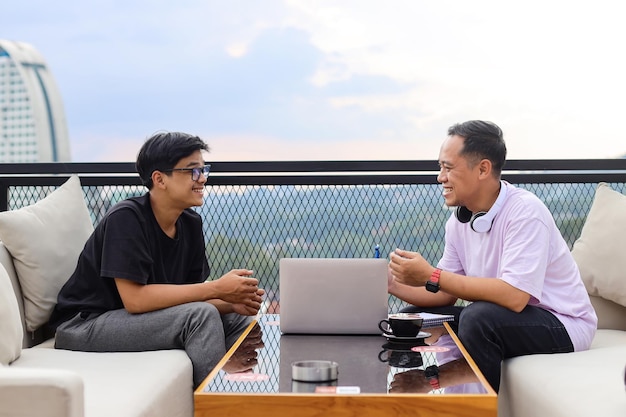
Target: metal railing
{"type": "Point", "coordinates": [257, 212]}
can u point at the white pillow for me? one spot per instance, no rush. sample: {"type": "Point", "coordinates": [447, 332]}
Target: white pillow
{"type": "Point", "coordinates": [45, 240]}
{"type": "Point", "coordinates": [599, 251]}
{"type": "Point", "coordinates": [11, 332]}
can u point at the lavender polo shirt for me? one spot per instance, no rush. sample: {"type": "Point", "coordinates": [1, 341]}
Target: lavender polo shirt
{"type": "Point", "coordinates": [525, 249]}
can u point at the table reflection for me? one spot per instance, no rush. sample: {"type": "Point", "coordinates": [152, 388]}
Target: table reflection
{"type": "Point", "coordinates": [374, 364]}
{"type": "Point", "coordinates": [244, 359]}
{"type": "Point", "coordinates": [443, 358]}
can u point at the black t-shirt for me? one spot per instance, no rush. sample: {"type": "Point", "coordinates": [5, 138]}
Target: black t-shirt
{"type": "Point", "coordinates": [128, 243]}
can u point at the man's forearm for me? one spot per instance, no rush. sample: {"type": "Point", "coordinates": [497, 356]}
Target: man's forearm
{"type": "Point", "coordinates": [418, 296]}
{"type": "Point", "coordinates": [493, 290]}
{"type": "Point", "coordinates": [138, 298]}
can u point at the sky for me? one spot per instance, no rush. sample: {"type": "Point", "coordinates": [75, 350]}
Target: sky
{"type": "Point", "coordinates": [331, 79]}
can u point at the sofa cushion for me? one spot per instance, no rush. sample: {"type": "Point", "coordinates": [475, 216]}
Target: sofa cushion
{"type": "Point", "coordinates": [610, 315]}
{"type": "Point", "coordinates": [578, 384]}
{"type": "Point", "coordinates": [11, 332]}
{"type": "Point", "coordinates": [599, 249]}
{"type": "Point", "coordinates": [124, 384]}
{"type": "Point", "coordinates": [606, 338]}
{"type": "Point", "coordinates": [26, 392]}
{"type": "Point", "coordinates": [45, 240]}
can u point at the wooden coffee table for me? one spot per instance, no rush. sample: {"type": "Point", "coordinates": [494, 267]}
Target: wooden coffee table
{"type": "Point", "coordinates": [376, 377]}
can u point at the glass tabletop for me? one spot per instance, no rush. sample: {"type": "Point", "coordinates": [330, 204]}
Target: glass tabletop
{"type": "Point", "coordinates": [262, 363]}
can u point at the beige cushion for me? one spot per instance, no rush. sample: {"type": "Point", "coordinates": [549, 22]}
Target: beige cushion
{"type": "Point", "coordinates": [123, 384]}
{"type": "Point", "coordinates": [45, 240]}
{"type": "Point", "coordinates": [599, 252]}
{"type": "Point", "coordinates": [11, 332]}
{"type": "Point", "coordinates": [610, 315]}
{"type": "Point", "coordinates": [34, 391]}
{"type": "Point", "coordinates": [578, 384]}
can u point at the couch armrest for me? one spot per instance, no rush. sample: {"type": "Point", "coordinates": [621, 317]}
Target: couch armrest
{"type": "Point", "coordinates": [37, 392]}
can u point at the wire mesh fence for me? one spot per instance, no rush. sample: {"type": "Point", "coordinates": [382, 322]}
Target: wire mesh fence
{"type": "Point", "coordinates": [253, 226]}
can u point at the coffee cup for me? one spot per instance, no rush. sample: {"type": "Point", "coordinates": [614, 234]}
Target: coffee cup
{"type": "Point", "coordinates": [401, 358]}
{"type": "Point", "coordinates": [401, 325]}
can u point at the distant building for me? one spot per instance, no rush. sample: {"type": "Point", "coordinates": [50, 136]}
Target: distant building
{"type": "Point", "coordinates": [32, 119]}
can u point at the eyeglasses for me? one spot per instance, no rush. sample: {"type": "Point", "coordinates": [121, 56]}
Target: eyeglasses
{"type": "Point", "coordinates": [195, 172]}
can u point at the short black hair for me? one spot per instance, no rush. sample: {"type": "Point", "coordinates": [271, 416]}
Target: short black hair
{"type": "Point", "coordinates": [483, 140]}
{"type": "Point", "coordinates": [163, 150]}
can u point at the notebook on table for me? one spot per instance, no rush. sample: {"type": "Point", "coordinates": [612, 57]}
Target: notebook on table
{"type": "Point", "coordinates": [434, 320]}
{"type": "Point", "coordinates": [332, 295]}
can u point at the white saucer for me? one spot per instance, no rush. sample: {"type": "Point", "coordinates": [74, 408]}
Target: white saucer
{"type": "Point", "coordinates": [420, 335]}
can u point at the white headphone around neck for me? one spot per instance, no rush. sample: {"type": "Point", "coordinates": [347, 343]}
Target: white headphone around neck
{"type": "Point", "coordinates": [481, 222]}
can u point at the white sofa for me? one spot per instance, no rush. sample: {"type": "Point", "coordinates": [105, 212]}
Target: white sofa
{"type": "Point", "coordinates": [38, 380]}
{"type": "Point", "coordinates": [588, 383]}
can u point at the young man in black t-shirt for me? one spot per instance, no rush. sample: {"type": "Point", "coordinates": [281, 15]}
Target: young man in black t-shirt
{"type": "Point", "coordinates": [140, 280]}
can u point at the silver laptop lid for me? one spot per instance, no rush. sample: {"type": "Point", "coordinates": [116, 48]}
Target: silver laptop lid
{"type": "Point", "coordinates": [332, 295]}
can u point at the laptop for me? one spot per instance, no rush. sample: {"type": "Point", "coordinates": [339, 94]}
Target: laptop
{"type": "Point", "coordinates": [332, 295]}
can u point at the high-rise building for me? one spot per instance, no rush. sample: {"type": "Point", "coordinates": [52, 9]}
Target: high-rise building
{"type": "Point", "coordinates": [32, 119]}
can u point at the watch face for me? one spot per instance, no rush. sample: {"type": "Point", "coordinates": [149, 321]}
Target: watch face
{"type": "Point", "coordinates": [432, 287]}
{"type": "Point", "coordinates": [431, 372]}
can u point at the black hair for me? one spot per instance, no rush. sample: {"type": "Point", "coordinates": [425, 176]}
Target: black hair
{"type": "Point", "coordinates": [163, 150]}
{"type": "Point", "coordinates": [483, 140]}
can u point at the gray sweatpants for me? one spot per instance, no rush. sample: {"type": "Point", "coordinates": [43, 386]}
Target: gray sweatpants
{"type": "Point", "coordinates": [197, 327]}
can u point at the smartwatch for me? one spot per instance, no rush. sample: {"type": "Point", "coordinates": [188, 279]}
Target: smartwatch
{"type": "Point", "coordinates": [432, 284]}
{"type": "Point", "coordinates": [432, 375]}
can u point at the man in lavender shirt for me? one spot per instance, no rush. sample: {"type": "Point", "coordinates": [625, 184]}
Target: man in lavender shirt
{"type": "Point", "coordinates": [504, 253]}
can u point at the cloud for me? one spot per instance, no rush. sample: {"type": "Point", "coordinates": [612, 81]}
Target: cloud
{"type": "Point", "coordinates": [325, 75]}
{"type": "Point", "coordinates": [251, 148]}
{"type": "Point", "coordinates": [268, 91]}
{"type": "Point", "coordinates": [105, 148]}
{"type": "Point", "coordinates": [267, 148]}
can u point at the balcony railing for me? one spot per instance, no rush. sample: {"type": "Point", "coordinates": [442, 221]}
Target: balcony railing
{"type": "Point", "coordinates": [257, 212]}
